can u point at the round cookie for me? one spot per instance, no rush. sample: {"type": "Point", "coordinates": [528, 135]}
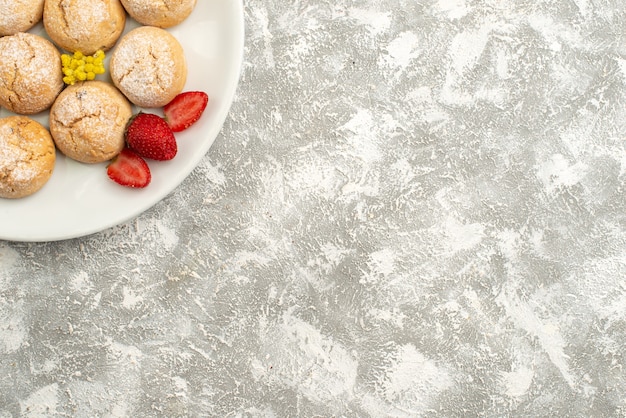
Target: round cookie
{"type": "Point", "coordinates": [84, 25]}
{"type": "Point", "coordinates": [27, 156]}
{"type": "Point", "coordinates": [148, 65]}
{"type": "Point", "coordinates": [30, 73]}
{"type": "Point", "coordinates": [19, 15]}
{"type": "Point", "coordinates": [87, 121]}
{"type": "Point", "coordinates": [163, 14]}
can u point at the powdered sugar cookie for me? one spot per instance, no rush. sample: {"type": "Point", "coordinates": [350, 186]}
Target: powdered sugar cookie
{"type": "Point", "coordinates": [30, 73]}
{"type": "Point", "coordinates": [148, 65]}
{"type": "Point", "coordinates": [19, 15]}
{"type": "Point", "coordinates": [84, 25]}
{"type": "Point", "coordinates": [163, 14]}
{"type": "Point", "coordinates": [27, 156]}
{"type": "Point", "coordinates": [87, 121]}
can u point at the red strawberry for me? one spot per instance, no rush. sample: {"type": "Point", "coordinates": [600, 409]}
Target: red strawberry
{"type": "Point", "coordinates": [129, 169]}
{"type": "Point", "coordinates": [150, 137]}
{"type": "Point", "coordinates": [185, 109]}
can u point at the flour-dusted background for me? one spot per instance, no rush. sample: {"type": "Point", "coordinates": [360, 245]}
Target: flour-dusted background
{"type": "Point", "coordinates": [415, 208]}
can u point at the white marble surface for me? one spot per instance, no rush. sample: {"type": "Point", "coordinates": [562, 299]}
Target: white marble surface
{"type": "Point", "coordinates": [415, 208]}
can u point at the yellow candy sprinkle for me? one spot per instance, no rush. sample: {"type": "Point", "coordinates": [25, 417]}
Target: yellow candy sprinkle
{"type": "Point", "coordinates": [79, 67]}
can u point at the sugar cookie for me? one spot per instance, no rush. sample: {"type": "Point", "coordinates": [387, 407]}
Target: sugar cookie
{"type": "Point", "coordinates": [84, 25]}
{"type": "Point", "coordinates": [30, 73]}
{"type": "Point", "coordinates": [148, 65]}
{"type": "Point", "coordinates": [27, 156]}
{"type": "Point", "coordinates": [163, 14]}
{"type": "Point", "coordinates": [87, 121]}
{"type": "Point", "coordinates": [19, 15]}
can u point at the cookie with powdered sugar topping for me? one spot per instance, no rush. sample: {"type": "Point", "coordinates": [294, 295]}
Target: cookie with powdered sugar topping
{"type": "Point", "coordinates": [27, 156]}
{"type": "Point", "coordinates": [148, 65]}
{"type": "Point", "coordinates": [84, 25]}
{"type": "Point", "coordinates": [30, 73]}
{"type": "Point", "coordinates": [88, 119]}
{"type": "Point", "coordinates": [162, 14]}
{"type": "Point", "coordinates": [19, 15]}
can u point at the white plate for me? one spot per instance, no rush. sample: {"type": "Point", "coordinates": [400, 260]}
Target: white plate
{"type": "Point", "coordinates": [79, 199]}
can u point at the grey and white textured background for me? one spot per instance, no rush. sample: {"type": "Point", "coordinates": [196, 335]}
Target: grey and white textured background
{"type": "Point", "coordinates": [415, 208]}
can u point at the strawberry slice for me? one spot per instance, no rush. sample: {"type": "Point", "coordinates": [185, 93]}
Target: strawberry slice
{"type": "Point", "coordinates": [151, 137]}
{"type": "Point", "coordinates": [185, 109]}
{"type": "Point", "coordinates": [129, 169]}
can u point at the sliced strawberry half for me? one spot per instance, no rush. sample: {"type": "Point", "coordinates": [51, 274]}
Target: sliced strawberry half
{"type": "Point", "coordinates": [185, 109]}
{"type": "Point", "coordinates": [129, 169]}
